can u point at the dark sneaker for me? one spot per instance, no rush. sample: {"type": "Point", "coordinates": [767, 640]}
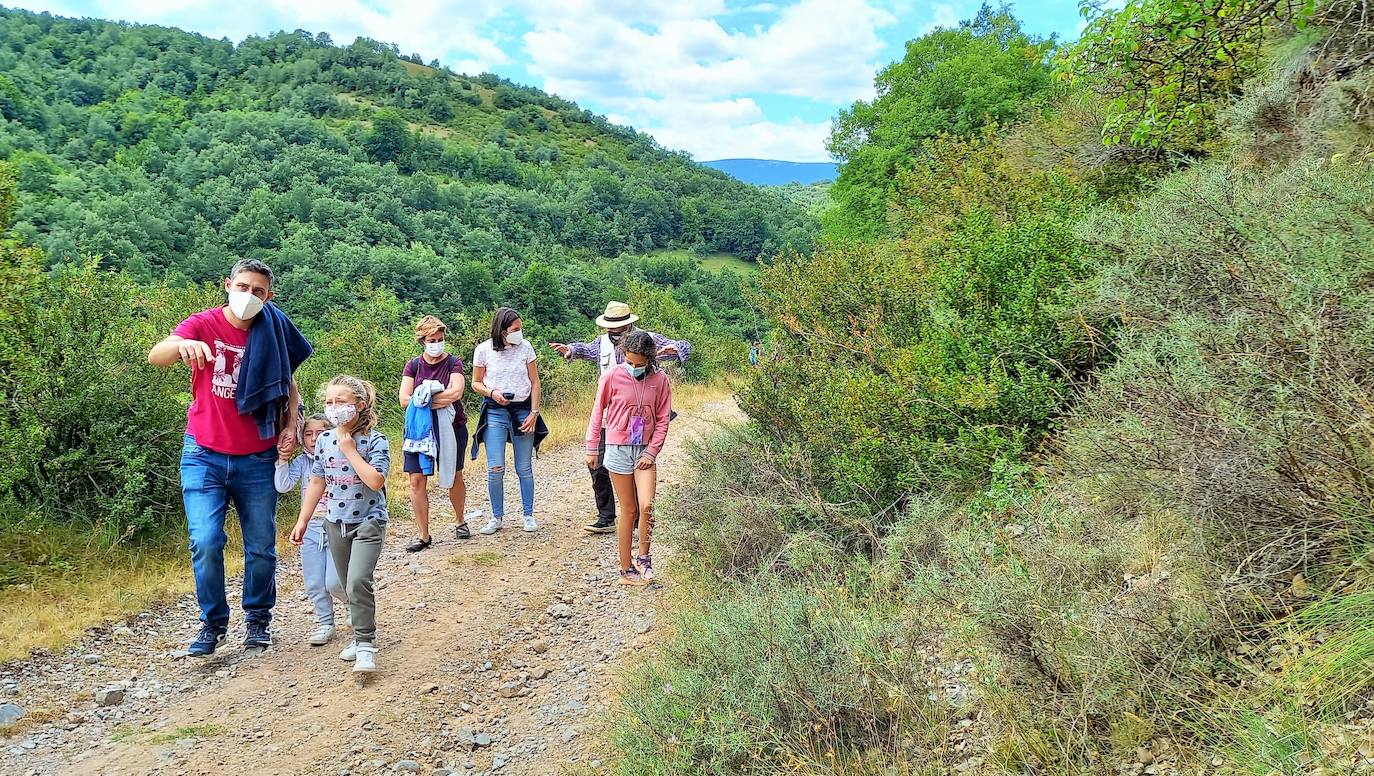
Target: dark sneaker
{"type": "Point", "coordinates": [258, 635]}
{"type": "Point", "coordinates": [601, 526]}
{"type": "Point", "coordinates": [419, 545]}
{"type": "Point", "coordinates": [206, 641]}
{"type": "Point", "coordinates": [461, 531]}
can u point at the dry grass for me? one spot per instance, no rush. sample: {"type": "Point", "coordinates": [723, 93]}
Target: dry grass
{"type": "Point", "coordinates": [84, 585]}
{"type": "Point", "coordinates": [91, 585]}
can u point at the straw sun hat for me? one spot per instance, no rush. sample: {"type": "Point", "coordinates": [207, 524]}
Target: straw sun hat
{"type": "Point", "coordinates": [617, 314]}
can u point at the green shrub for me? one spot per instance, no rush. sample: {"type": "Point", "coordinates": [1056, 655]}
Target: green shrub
{"type": "Point", "coordinates": [922, 362]}
{"type": "Point", "coordinates": [90, 433]}
{"type": "Point", "coordinates": [1242, 394]}
{"type": "Point", "coordinates": [781, 657]}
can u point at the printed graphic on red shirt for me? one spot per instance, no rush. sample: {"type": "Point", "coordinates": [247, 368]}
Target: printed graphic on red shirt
{"type": "Point", "coordinates": [225, 380]}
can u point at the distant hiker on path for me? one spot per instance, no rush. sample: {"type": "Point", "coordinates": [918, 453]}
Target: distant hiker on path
{"type": "Point", "coordinates": [244, 401]}
{"type": "Point", "coordinates": [625, 434]}
{"type": "Point", "coordinates": [504, 373]}
{"type": "Point", "coordinates": [436, 429]}
{"type": "Point", "coordinates": [618, 321]}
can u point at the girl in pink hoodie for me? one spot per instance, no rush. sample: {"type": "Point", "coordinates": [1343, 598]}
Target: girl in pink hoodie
{"type": "Point", "coordinates": [632, 404]}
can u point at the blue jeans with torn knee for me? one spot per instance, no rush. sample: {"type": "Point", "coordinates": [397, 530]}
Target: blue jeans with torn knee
{"type": "Point", "coordinates": [498, 433]}
{"type": "Point", "coordinates": [209, 482]}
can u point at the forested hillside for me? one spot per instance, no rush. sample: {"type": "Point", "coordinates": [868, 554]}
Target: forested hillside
{"type": "Point", "coordinates": [138, 163]}
{"type": "Point", "coordinates": [1086, 487]}
{"type": "Point", "coordinates": [169, 155]}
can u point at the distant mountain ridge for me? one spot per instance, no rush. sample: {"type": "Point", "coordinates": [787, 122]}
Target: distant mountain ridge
{"type": "Point", "coordinates": [773, 172]}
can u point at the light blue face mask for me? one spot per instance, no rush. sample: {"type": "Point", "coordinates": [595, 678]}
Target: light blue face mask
{"type": "Point", "coordinates": [636, 371]}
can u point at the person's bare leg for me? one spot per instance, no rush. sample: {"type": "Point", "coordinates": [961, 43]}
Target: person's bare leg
{"type": "Point", "coordinates": [458, 497]}
{"type": "Point", "coordinates": [624, 485]}
{"type": "Point", "coordinates": [646, 483]}
{"type": "Point", "coordinates": [419, 503]}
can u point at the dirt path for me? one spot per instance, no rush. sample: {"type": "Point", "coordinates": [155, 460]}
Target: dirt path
{"type": "Point", "coordinates": [462, 626]}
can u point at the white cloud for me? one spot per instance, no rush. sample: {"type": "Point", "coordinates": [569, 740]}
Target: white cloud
{"type": "Point", "coordinates": [943, 15]}
{"type": "Point", "coordinates": [678, 76]}
{"type": "Point", "coordinates": [729, 128]}
{"type": "Point", "coordinates": [443, 29]}
{"type": "Point", "coordinates": [681, 70]}
{"type": "Point", "coordinates": [821, 49]}
{"type": "Point", "coordinates": [794, 140]}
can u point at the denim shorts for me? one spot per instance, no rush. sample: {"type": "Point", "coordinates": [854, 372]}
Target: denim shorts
{"type": "Point", "coordinates": [621, 459]}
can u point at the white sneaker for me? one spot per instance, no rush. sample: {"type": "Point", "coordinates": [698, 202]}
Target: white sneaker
{"type": "Point", "coordinates": [322, 635]}
{"type": "Point", "coordinates": [367, 659]}
{"type": "Point", "coordinates": [349, 652]}
{"type": "Point", "coordinates": [530, 525]}
{"type": "Point", "coordinates": [493, 525]}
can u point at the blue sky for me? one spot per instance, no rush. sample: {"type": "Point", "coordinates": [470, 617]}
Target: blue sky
{"type": "Point", "coordinates": [716, 78]}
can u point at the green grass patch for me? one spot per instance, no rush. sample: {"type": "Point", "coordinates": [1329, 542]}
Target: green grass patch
{"type": "Point", "coordinates": [137, 735]}
{"type": "Point", "coordinates": [485, 559]}
{"type": "Point", "coordinates": [711, 262]}
{"type": "Point", "coordinates": [719, 262]}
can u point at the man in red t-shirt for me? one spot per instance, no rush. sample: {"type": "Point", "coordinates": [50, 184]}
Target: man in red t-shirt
{"type": "Point", "coordinates": [224, 457]}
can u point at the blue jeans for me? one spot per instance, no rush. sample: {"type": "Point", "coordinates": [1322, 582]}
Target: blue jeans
{"type": "Point", "coordinates": [209, 481]}
{"type": "Point", "coordinates": [499, 432]}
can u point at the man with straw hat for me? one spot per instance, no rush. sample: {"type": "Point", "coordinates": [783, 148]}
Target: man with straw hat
{"type": "Point", "coordinates": [617, 321]}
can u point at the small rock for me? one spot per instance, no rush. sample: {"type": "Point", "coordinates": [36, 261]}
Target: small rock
{"type": "Point", "coordinates": [538, 672]}
{"type": "Point", "coordinates": [110, 696]}
{"type": "Point", "coordinates": [482, 739]}
{"type": "Point", "coordinates": [10, 713]}
{"type": "Point", "coordinates": [642, 627]}
{"type": "Point", "coordinates": [560, 611]}
{"type": "Point", "coordinates": [408, 765]}
{"type": "Point", "coordinates": [498, 762]}
{"type": "Point", "coordinates": [90, 659]}
{"type": "Point", "coordinates": [466, 738]}
{"type": "Point", "coordinates": [540, 646]}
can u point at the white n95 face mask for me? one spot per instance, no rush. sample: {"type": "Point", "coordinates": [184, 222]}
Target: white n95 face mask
{"type": "Point", "coordinates": [244, 305]}
{"type": "Point", "coordinates": [434, 349]}
{"type": "Point", "coordinates": [515, 337]}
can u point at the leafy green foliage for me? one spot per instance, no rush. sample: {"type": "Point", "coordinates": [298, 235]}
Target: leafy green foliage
{"type": "Point", "coordinates": [951, 81]}
{"type": "Point", "coordinates": [168, 154]}
{"type": "Point", "coordinates": [89, 433]}
{"type": "Point", "coordinates": [1167, 65]}
{"type": "Point", "coordinates": [783, 663]}
{"type": "Point", "coordinates": [922, 362]}
{"type": "Point", "coordinates": [1115, 451]}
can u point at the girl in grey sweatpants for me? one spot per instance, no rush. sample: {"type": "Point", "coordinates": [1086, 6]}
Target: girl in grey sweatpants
{"type": "Point", "coordinates": [351, 463]}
